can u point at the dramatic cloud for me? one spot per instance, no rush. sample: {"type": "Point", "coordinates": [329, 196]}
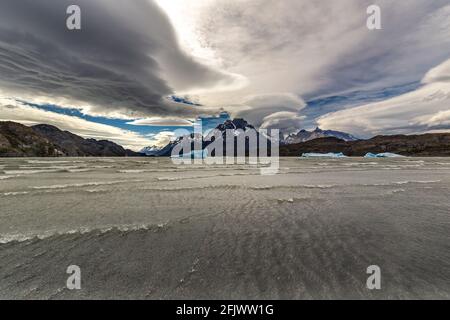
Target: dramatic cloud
{"type": "Point", "coordinates": [161, 139]}
{"type": "Point", "coordinates": [11, 110]}
{"type": "Point", "coordinates": [129, 56]}
{"type": "Point", "coordinates": [162, 122]}
{"type": "Point", "coordinates": [286, 122]}
{"type": "Point", "coordinates": [271, 111]}
{"type": "Point", "coordinates": [321, 47]}
{"type": "Point", "coordinates": [439, 74]}
{"type": "Point", "coordinates": [423, 110]}
{"type": "Point", "coordinates": [124, 61]}
{"type": "Point", "coordinates": [314, 49]}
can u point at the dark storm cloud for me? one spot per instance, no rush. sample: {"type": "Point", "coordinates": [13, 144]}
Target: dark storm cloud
{"type": "Point", "coordinates": [319, 48]}
{"type": "Point", "coordinates": [115, 63]}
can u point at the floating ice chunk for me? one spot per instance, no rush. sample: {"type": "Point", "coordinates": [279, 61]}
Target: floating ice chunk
{"type": "Point", "coordinates": [371, 155]}
{"type": "Point", "coordinates": [383, 155]}
{"type": "Point", "coordinates": [324, 155]}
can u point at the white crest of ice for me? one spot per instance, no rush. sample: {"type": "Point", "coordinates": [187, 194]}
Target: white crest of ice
{"type": "Point", "coordinates": [324, 155]}
{"type": "Point", "coordinates": [383, 155]}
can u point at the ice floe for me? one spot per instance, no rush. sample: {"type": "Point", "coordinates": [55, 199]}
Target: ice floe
{"type": "Point", "coordinates": [324, 155]}
{"type": "Point", "coordinates": [383, 155]}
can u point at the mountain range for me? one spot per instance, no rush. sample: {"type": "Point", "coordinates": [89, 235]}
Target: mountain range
{"type": "Point", "coordinates": [329, 141]}
{"type": "Point", "coordinates": [17, 140]}
{"type": "Point", "coordinates": [304, 135]}
{"type": "Point", "coordinates": [43, 140]}
{"type": "Point", "coordinates": [241, 124]}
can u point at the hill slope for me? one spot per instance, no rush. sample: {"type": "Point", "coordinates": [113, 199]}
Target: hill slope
{"type": "Point", "coordinates": [426, 145]}
{"type": "Point", "coordinates": [17, 140]}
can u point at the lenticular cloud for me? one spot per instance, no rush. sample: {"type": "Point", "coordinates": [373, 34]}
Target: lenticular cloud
{"type": "Point", "coordinates": [124, 60]}
{"type": "Point", "coordinates": [422, 110]}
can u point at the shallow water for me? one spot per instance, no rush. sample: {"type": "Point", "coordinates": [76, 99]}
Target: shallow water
{"type": "Point", "coordinates": [149, 229]}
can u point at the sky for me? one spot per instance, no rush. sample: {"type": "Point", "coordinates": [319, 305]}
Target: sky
{"type": "Point", "coordinates": [138, 70]}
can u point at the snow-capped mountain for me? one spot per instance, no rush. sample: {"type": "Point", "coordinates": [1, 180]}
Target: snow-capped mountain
{"type": "Point", "coordinates": [151, 151]}
{"type": "Point", "coordinates": [239, 125]}
{"type": "Point", "coordinates": [304, 135]}
{"type": "Point", "coordinates": [235, 124]}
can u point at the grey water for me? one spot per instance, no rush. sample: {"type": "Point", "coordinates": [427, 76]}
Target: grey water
{"type": "Point", "coordinates": [144, 228]}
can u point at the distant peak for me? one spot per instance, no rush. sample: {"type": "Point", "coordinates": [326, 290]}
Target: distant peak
{"type": "Point", "coordinates": [305, 135]}
{"type": "Point", "coordinates": [235, 124]}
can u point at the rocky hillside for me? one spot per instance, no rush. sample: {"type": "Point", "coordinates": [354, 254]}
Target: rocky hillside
{"type": "Point", "coordinates": [426, 145]}
{"type": "Point", "coordinates": [17, 140]}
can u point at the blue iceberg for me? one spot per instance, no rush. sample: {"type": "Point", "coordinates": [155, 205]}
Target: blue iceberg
{"type": "Point", "coordinates": [383, 155]}
{"type": "Point", "coordinates": [324, 155]}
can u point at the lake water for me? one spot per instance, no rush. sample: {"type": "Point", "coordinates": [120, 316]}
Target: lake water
{"type": "Point", "coordinates": [149, 229]}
